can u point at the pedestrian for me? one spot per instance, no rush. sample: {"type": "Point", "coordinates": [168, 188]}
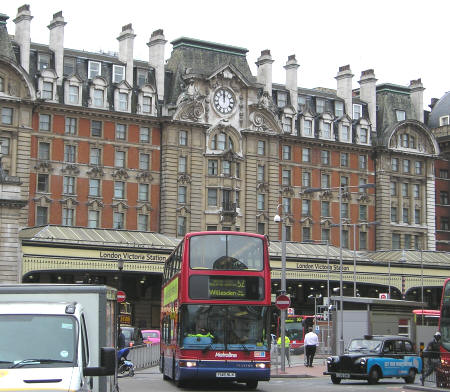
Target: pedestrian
{"type": "Point", "coordinates": [287, 347]}
{"type": "Point", "coordinates": [311, 342]}
{"type": "Point", "coordinates": [433, 355]}
{"type": "Point", "coordinates": [121, 339]}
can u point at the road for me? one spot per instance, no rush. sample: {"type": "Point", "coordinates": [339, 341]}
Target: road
{"type": "Point", "coordinates": [151, 380]}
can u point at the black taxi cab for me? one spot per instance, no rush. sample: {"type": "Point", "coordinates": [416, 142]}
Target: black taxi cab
{"type": "Point", "coordinates": [374, 357]}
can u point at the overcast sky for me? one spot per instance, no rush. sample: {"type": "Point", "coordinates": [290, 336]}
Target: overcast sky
{"type": "Point", "coordinates": [401, 40]}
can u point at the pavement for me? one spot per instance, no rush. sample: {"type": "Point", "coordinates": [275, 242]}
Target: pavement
{"type": "Point", "coordinates": [298, 368]}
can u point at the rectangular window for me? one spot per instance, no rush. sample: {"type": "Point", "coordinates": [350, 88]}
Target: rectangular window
{"type": "Point", "coordinates": [118, 73]}
{"type": "Point", "coordinates": [93, 219]}
{"type": "Point", "coordinates": [406, 165]}
{"type": "Point", "coordinates": [182, 138]}
{"type": "Point", "coordinates": [212, 197]}
{"type": "Point", "coordinates": [286, 152]}
{"type": "Point", "coordinates": [393, 188]}
{"type": "Point", "coordinates": [325, 235]}
{"type": "Point", "coordinates": [260, 173]}
{"type": "Point", "coordinates": [212, 167]}
{"type": "Point", "coordinates": [394, 164]}
{"type": "Point", "coordinates": [287, 124]}
{"type": "Point", "coordinates": [400, 115]}
{"type": "Point", "coordinates": [444, 197]}
{"type": "Point", "coordinates": [306, 179]}
{"type": "Point", "coordinates": [41, 216]}
{"type": "Point", "coordinates": [47, 90]}
{"type": "Point", "coordinates": [238, 199]}
{"type": "Point", "coordinates": [95, 156]}
{"type": "Point", "coordinates": [67, 216]}
{"type": "Point", "coordinates": [338, 108]}
{"type": "Point", "coordinates": [407, 241]}
{"type": "Point", "coordinates": [306, 155]}
{"type": "Point", "coordinates": [99, 98]}
{"type": "Point", "coordinates": [94, 69]}
{"type": "Point", "coordinates": [286, 177]}
{"type": "Point", "coordinates": [326, 130]}
{"type": "Point", "coordinates": [142, 222]}
{"type": "Point", "coordinates": [394, 217]}
{"type": "Point", "coordinates": [301, 100]}
{"type": "Point", "coordinates": [307, 128]}
{"type": "Point", "coordinates": [405, 215]}
{"type": "Point", "coordinates": [363, 136]}
{"type": "Point", "coordinates": [238, 169]}
{"type": "Point", "coordinates": [416, 191]}
{"type": "Point", "coordinates": [325, 157]}
{"type": "Point", "coordinates": [345, 239]}
{"type": "Point", "coordinates": [325, 181]}
{"type": "Point", "coordinates": [286, 201]}
{"type": "Point", "coordinates": [141, 77]}
{"type": "Point", "coordinates": [443, 173]}
{"type": "Point", "coordinates": [395, 241]}
{"type": "Point", "coordinates": [288, 233]}
{"type": "Point", "coordinates": [69, 66]}
{"type": "Point", "coordinates": [43, 61]}
{"type": "Point", "coordinates": [146, 104]}
{"type": "Point", "coordinates": [144, 135]}
{"type": "Point", "coordinates": [143, 192]}
{"type": "Point", "coordinates": [281, 99]}
{"type": "Point", "coordinates": [182, 164]}
{"type": "Point", "coordinates": [344, 159]}
{"type": "Point", "coordinates": [123, 101]}
{"type": "Point", "coordinates": [144, 161]}
{"type": "Point", "coordinates": [405, 189]}
{"type": "Point", "coordinates": [94, 187]}
{"type": "Point", "coordinates": [261, 228]}
{"type": "Point", "coordinates": [181, 226]}
{"type": "Point", "coordinates": [121, 131]}
{"type": "Point", "coordinates": [71, 126]}
{"type": "Point", "coordinates": [260, 202]}
{"type": "Point", "coordinates": [344, 210]}
{"type": "Point", "coordinates": [362, 240]}
{"type": "Point", "coordinates": [42, 183]}
{"type": "Point", "coordinates": [363, 161]}
{"type": "Point", "coordinates": [119, 190]}
{"type": "Point", "coordinates": [70, 152]}
{"type": "Point", "coordinates": [325, 206]}
{"type": "Point", "coordinates": [44, 151]}
{"type": "Point", "coordinates": [345, 133]}
{"type": "Point", "coordinates": [417, 219]}
{"type": "Point", "coordinates": [68, 185]}
{"type": "Point", "coordinates": [357, 111]}
{"type": "Point", "coordinates": [118, 220]}
{"type": "Point", "coordinates": [261, 147]}
{"type": "Point", "coordinates": [4, 145]}
{"type": "Point", "coordinates": [96, 128]}
{"type": "Point", "coordinates": [362, 212]}
{"type": "Point", "coordinates": [445, 225]}
{"type": "Point", "coordinates": [44, 122]}
{"type": "Point", "coordinates": [444, 120]}
{"type": "Point", "coordinates": [119, 159]}
{"type": "Point", "coordinates": [226, 168]}
{"type": "Point", "coordinates": [306, 207]}
{"type": "Point", "coordinates": [74, 94]}
{"type": "Point", "coordinates": [7, 116]}
{"type": "Point", "coordinates": [182, 194]}
{"type": "Point", "coordinates": [320, 105]}
{"type": "Point", "coordinates": [418, 166]}
{"type": "Point", "coordinates": [306, 234]}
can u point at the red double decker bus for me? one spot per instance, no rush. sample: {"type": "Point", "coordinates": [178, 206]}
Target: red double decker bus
{"type": "Point", "coordinates": [443, 372]}
{"type": "Point", "coordinates": [296, 326]}
{"type": "Point", "coordinates": [215, 309]}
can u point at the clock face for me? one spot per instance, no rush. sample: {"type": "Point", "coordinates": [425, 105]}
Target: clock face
{"type": "Point", "coordinates": [224, 101]}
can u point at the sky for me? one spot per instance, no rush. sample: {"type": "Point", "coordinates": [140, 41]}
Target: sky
{"type": "Point", "coordinates": [402, 40]}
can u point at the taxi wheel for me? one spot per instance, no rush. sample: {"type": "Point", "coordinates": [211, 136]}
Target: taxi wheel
{"type": "Point", "coordinates": [411, 376]}
{"type": "Point", "coordinates": [374, 376]}
{"type": "Point", "coordinates": [335, 380]}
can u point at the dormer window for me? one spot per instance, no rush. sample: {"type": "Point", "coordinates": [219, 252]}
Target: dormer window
{"type": "Point", "coordinates": [147, 101]}
{"type": "Point", "coordinates": [338, 108]}
{"type": "Point", "coordinates": [47, 90]}
{"type": "Point", "coordinates": [443, 120]}
{"type": "Point", "coordinates": [408, 141]}
{"type": "Point", "coordinates": [287, 124]}
{"type": "Point", "coordinates": [69, 66]}
{"type": "Point", "coordinates": [99, 100]}
{"type": "Point", "coordinates": [141, 77]}
{"type": "Point", "coordinates": [281, 99]}
{"type": "Point", "coordinates": [123, 101]}
{"type": "Point", "coordinates": [363, 135]}
{"type": "Point", "coordinates": [357, 111]}
{"type": "Point", "coordinates": [147, 104]}
{"type": "Point", "coordinates": [345, 133]}
{"type": "Point", "coordinates": [401, 115]}
{"type": "Point", "coordinates": [118, 73]}
{"type": "Point", "coordinates": [73, 94]}
{"type": "Point", "coordinates": [326, 130]}
{"type": "Point", "coordinates": [301, 101]}
{"type": "Point", "coordinates": [307, 128]}
{"type": "Point", "coordinates": [94, 69]}
{"type": "Point", "coordinates": [222, 142]}
{"type": "Point", "coordinates": [320, 105]}
{"type": "Point", "coordinates": [43, 61]}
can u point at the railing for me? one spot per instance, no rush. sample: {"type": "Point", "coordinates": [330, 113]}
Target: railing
{"type": "Point", "coordinates": [144, 356]}
{"type": "Point", "coordinates": [434, 371]}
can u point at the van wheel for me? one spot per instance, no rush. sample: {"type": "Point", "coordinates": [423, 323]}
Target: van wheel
{"type": "Point", "coordinates": [411, 376]}
{"type": "Point", "coordinates": [374, 376]}
{"type": "Point", "coordinates": [252, 384]}
{"type": "Point", "coordinates": [335, 380]}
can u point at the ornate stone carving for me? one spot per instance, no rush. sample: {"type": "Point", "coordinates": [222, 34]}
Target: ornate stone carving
{"type": "Point", "coordinates": [144, 176]}
{"type": "Point", "coordinates": [184, 178]}
{"type": "Point", "coordinates": [96, 171]}
{"type": "Point", "coordinates": [43, 166]}
{"type": "Point", "coordinates": [120, 174]}
{"type": "Point", "coordinates": [71, 169]}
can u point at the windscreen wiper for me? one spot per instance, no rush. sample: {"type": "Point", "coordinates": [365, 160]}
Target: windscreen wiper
{"type": "Point", "coordinates": [31, 361]}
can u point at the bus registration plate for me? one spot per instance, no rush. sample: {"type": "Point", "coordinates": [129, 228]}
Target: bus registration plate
{"type": "Point", "coordinates": [225, 374]}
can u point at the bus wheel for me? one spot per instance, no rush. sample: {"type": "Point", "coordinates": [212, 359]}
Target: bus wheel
{"type": "Point", "coordinates": [252, 384]}
{"type": "Point", "coordinates": [335, 380]}
{"type": "Point", "coordinates": [374, 376]}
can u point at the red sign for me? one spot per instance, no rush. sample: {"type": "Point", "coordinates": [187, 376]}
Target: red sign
{"type": "Point", "coordinates": [383, 296]}
{"type": "Point", "coordinates": [121, 296]}
{"type": "Point", "coordinates": [283, 302]}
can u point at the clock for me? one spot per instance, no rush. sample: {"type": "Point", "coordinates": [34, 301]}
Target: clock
{"type": "Point", "coordinates": [224, 101]}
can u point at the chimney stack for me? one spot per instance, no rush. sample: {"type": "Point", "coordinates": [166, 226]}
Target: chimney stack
{"type": "Point", "coordinates": [368, 93]}
{"type": "Point", "coordinates": [126, 43]}
{"type": "Point", "coordinates": [291, 79]}
{"type": "Point", "coordinates": [344, 88]}
{"type": "Point", "coordinates": [264, 74]}
{"type": "Point", "coordinates": [156, 47]}
{"type": "Point", "coordinates": [56, 44]}
{"type": "Point", "coordinates": [416, 95]}
{"type": "Point", "coordinates": [22, 35]}
{"type": "Point", "coordinates": [433, 103]}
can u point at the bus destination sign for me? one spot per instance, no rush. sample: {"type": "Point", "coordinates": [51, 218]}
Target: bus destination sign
{"type": "Point", "coordinates": [227, 288]}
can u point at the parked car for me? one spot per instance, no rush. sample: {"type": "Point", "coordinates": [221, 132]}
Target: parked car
{"type": "Point", "coordinates": [133, 336]}
{"type": "Point", "coordinates": [374, 357]}
{"type": "Point", "coordinates": [151, 335]}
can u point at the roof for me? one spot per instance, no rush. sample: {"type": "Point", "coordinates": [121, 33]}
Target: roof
{"type": "Point", "coordinates": [441, 108]}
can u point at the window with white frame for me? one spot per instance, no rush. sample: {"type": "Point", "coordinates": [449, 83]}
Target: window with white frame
{"type": "Point", "coordinates": [362, 212]}
{"type": "Point", "coordinates": [47, 90]}
{"type": "Point", "coordinates": [363, 161]}
{"type": "Point", "coordinates": [119, 160]}
{"type": "Point", "coordinates": [281, 99]}
{"type": "Point", "coordinates": [44, 151]}
{"type": "Point", "coordinates": [119, 190]}
{"type": "Point", "coordinates": [93, 219]}
{"type": "Point", "coordinates": [182, 164]}
{"type": "Point", "coordinates": [123, 101]}
{"type": "Point", "coordinates": [121, 131]}
{"type": "Point", "coordinates": [69, 185]}
{"type": "Point", "coordinates": [212, 197]}
{"type": "Point", "coordinates": [287, 124]}
{"type": "Point", "coordinates": [42, 183]}
{"type": "Point", "coordinates": [94, 69]}
{"type": "Point", "coordinates": [444, 120]}
{"type": "Point", "coordinates": [99, 98]}
{"type": "Point", "coordinates": [94, 187]}
{"type": "Point", "coordinates": [344, 210]}
{"type": "Point", "coordinates": [141, 77]}
{"type": "Point", "coordinates": [226, 168]}
{"type": "Point", "coordinates": [301, 101]}
{"type": "Point", "coordinates": [74, 94]}
{"type": "Point", "coordinates": [326, 130]}
{"type": "Point", "coordinates": [4, 145]}
{"type": "Point", "coordinates": [41, 216]}
{"type": "Point", "coordinates": [71, 125]}
{"type": "Point", "coordinates": [394, 164]}
{"type": "Point", "coordinates": [363, 135]}
{"type": "Point", "coordinates": [70, 153]}
{"type": "Point", "coordinates": [144, 135]}
{"type": "Point", "coordinates": [344, 183]}
{"type": "Point", "coordinates": [286, 202]}
{"type": "Point", "coordinates": [362, 240]}
{"type": "Point", "coordinates": [325, 234]}
{"type": "Point", "coordinates": [260, 201]}
{"type": "Point", "coordinates": [395, 241]}
{"type": "Point", "coordinates": [143, 192]}
{"type": "Point", "coordinates": [43, 61]}
{"type": "Point", "coordinates": [213, 166]}
{"type": "Point", "coordinates": [357, 111]}
{"type": "Point", "coordinates": [306, 179]}
{"type": "Point", "coordinates": [182, 191]}
{"type": "Point", "coordinates": [118, 220]}
{"type": "Point", "coordinates": [7, 116]}
{"type": "Point", "coordinates": [345, 133]}
{"type": "Point", "coordinates": [344, 159]}
{"type": "Point", "coordinates": [182, 138]}
{"type": "Point", "coordinates": [118, 73]}
{"type": "Point", "coordinates": [418, 167]}
{"type": "Point", "coordinates": [96, 128]}
{"type": "Point", "coordinates": [320, 105]}
{"type": "Point", "coordinates": [325, 157]}
{"type": "Point", "coordinates": [405, 215]}
{"type": "Point", "coordinates": [144, 161]}
{"type": "Point", "coordinates": [400, 115]}
{"type": "Point", "coordinates": [407, 241]}
{"type": "Point", "coordinates": [307, 128]}
{"type": "Point", "coordinates": [306, 207]}
{"type": "Point", "coordinates": [146, 104]}
{"type": "Point", "coordinates": [306, 154]}
{"type": "Point", "coordinates": [338, 108]}
{"type": "Point", "coordinates": [95, 156]}
{"type": "Point", "coordinates": [443, 195]}
{"type": "Point", "coordinates": [286, 177]}
{"type": "Point", "coordinates": [142, 222]}
{"type": "Point", "coordinates": [286, 152]}
{"type": "Point", "coordinates": [325, 180]}
{"type": "Point", "coordinates": [44, 122]}
{"type": "Point", "coordinates": [406, 165]}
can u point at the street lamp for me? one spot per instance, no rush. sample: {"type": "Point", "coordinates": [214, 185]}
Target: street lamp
{"type": "Point", "coordinates": [341, 291]}
{"type": "Point", "coordinates": [316, 297]}
{"type": "Point", "coordinates": [120, 264]}
{"type": "Point", "coordinates": [277, 219]}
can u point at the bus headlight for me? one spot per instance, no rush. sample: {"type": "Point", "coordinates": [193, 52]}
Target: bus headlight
{"type": "Point", "coordinates": [187, 364]}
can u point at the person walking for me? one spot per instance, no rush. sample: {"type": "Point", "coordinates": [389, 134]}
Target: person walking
{"type": "Point", "coordinates": [433, 355]}
{"type": "Point", "coordinates": [121, 339]}
{"type": "Point", "coordinates": [287, 345]}
{"type": "Point", "coordinates": [311, 342]}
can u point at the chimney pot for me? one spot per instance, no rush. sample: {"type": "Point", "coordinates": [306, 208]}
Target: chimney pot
{"type": "Point", "coordinates": [127, 27]}
{"type": "Point", "coordinates": [265, 52]}
{"type": "Point", "coordinates": [344, 68]}
{"type": "Point", "coordinates": [25, 7]}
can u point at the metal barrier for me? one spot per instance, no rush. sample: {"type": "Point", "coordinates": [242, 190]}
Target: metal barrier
{"type": "Point", "coordinates": [144, 356]}
{"type": "Point", "coordinates": [433, 371]}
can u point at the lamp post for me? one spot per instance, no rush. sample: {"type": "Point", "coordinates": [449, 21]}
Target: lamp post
{"type": "Point", "coordinates": [277, 219]}
{"type": "Point", "coordinates": [341, 291]}
{"type": "Point", "coordinates": [316, 297]}
{"type": "Point", "coordinates": [120, 264]}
